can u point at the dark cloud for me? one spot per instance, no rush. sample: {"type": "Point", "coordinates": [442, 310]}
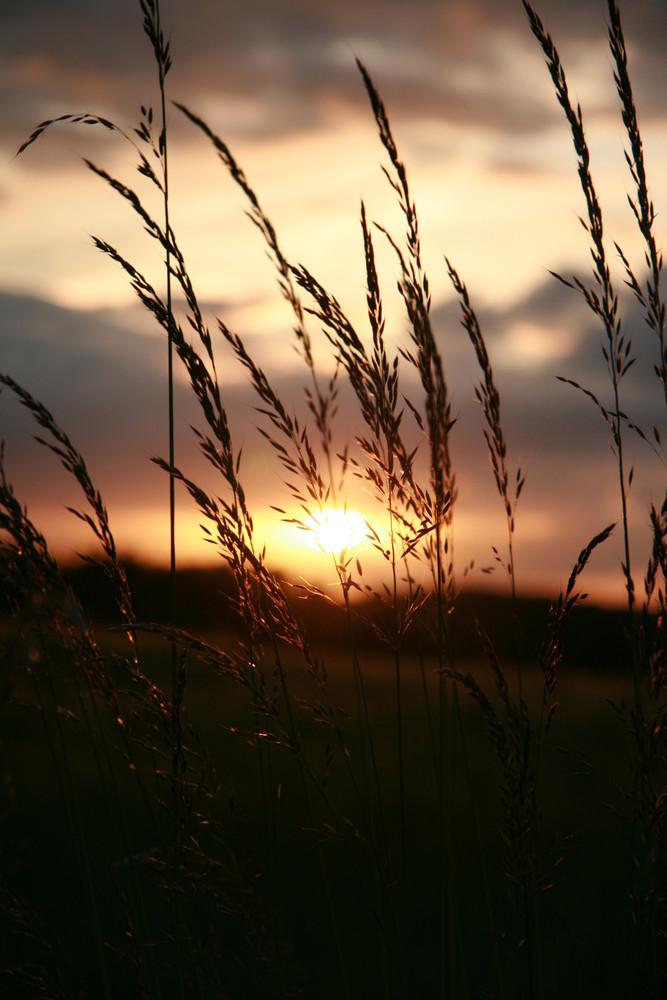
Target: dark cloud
{"type": "Point", "coordinates": [100, 382]}
{"type": "Point", "coordinates": [294, 58]}
{"type": "Point", "coordinates": [105, 384]}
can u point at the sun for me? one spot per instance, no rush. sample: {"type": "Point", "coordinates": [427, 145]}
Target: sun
{"type": "Point", "coordinates": [338, 529]}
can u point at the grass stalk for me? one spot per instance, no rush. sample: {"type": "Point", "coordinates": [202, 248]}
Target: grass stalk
{"type": "Point", "coordinates": [617, 350]}
{"type": "Point", "coordinates": [153, 29]}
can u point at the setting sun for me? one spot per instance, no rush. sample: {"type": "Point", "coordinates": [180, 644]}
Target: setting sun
{"type": "Point", "coordinates": [337, 529]}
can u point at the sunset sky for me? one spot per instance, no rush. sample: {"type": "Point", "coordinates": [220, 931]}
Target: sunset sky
{"type": "Point", "coordinates": [494, 178]}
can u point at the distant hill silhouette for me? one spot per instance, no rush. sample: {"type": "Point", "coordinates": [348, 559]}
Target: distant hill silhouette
{"type": "Point", "coordinates": [592, 637]}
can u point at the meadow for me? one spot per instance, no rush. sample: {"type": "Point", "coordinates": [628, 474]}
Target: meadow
{"type": "Point", "coordinates": [221, 786]}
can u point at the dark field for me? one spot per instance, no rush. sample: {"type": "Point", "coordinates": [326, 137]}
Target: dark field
{"type": "Point", "coordinates": [269, 836]}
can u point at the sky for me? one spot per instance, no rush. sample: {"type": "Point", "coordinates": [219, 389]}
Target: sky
{"type": "Point", "coordinates": [493, 175]}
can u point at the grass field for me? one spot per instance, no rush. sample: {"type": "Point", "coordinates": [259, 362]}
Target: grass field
{"type": "Point", "coordinates": [586, 930]}
{"type": "Point", "coordinates": [415, 795]}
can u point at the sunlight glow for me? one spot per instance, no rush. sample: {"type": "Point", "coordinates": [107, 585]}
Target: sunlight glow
{"type": "Point", "coordinates": [338, 530]}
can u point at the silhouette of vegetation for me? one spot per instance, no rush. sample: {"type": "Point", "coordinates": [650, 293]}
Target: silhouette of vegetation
{"type": "Point", "coordinates": [266, 791]}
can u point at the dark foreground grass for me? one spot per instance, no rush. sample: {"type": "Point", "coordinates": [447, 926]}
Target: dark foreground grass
{"type": "Point", "coordinates": [585, 922]}
{"type": "Point", "coordinates": [264, 812]}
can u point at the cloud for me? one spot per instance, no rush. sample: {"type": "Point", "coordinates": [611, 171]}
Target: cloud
{"type": "Point", "coordinates": [471, 64]}
{"type": "Point", "coordinates": [472, 107]}
{"type": "Point", "coordinates": [103, 377]}
{"type": "Point", "coordinates": [100, 382]}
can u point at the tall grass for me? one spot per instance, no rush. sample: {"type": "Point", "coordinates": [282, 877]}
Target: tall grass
{"type": "Point", "coordinates": [362, 857]}
{"type": "Point", "coordinates": [646, 718]}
